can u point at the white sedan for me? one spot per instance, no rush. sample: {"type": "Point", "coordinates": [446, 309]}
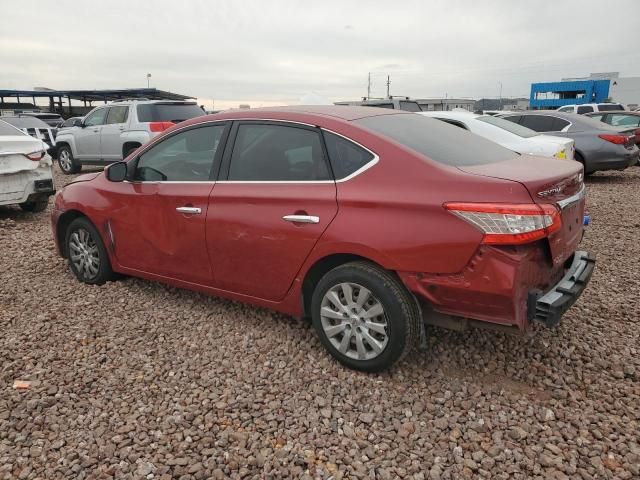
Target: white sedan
{"type": "Point", "coordinates": [26, 177]}
{"type": "Point", "coordinates": [508, 134]}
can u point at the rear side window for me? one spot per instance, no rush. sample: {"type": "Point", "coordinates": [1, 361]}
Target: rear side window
{"type": "Point", "coordinates": [610, 108]}
{"type": "Point", "coordinates": [437, 140]}
{"type": "Point", "coordinates": [346, 157]}
{"type": "Point", "coordinates": [539, 123]}
{"type": "Point", "coordinates": [277, 153]}
{"type": "Point", "coordinates": [584, 109]}
{"type": "Point", "coordinates": [117, 114]}
{"type": "Point", "coordinates": [168, 112]}
{"type": "Point", "coordinates": [410, 106]}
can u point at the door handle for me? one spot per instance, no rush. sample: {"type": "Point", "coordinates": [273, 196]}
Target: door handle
{"type": "Point", "coordinates": [301, 218]}
{"type": "Point", "coordinates": [191, 210]}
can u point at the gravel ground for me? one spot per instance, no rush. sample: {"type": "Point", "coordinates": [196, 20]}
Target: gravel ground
{"type": "Point", "coordinates": [135, 379]}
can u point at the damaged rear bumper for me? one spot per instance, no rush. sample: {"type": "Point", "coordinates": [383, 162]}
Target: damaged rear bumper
{"type": "Point", "coordinates": [549, 307]}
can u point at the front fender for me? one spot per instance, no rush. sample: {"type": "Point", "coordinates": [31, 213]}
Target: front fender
{"type": "Point", "coordinates": [66, 138]}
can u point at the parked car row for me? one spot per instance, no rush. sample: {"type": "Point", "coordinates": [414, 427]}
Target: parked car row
{"type": "Point", "coordinates": [370, 222]}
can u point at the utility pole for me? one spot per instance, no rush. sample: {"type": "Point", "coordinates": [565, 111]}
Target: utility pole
{"type": "Point", "coordinates": [369, 87]}
{"type": "Point", "coordinates": [388, 83]}
{"type": "Point", "coordinates": [500, 97]}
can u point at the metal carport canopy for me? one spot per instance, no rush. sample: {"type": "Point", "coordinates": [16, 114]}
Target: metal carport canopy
{"type": "Point", "coordinates": [99, 95]}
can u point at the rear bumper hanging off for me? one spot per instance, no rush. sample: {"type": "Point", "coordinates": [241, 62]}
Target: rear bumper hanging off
{"type": "Point", "coordinates": [549, 307]}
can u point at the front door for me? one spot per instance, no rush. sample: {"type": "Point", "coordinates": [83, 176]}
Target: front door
{"type": "Point", "coordinates": [87, 138]}
{"type": "Point", "coordinates": [160, 225]}
{"type": "Point", "coordinates": [275, 201]}
{"type": "Point", "coordinates": [110, 136]}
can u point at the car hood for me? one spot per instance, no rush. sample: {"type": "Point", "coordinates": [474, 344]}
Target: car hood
{"type": "Point", "coordinates": [86, 177]}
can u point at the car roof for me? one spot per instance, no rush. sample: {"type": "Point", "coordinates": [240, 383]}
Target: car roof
{"type": "Point", "coordinates": [617, 112]}
{"type": "Point", "coordinates": [451, 114]}
{"type": "Point", "coordinates": [342, 112]}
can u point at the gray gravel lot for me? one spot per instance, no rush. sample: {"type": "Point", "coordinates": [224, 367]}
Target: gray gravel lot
{"type": "Point", "coordinates": [137, 380]}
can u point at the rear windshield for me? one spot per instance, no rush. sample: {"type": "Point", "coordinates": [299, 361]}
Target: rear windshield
{"type": "Point", "coordinates": [168, 112]}
{"type": "Point", "coordinates": [519, 130]}
{"type": "Point", "coordinates": [437, 140]}
{"type": "Point", "coordinates": [8, 130]}
{"type": "Point", "coordinates": [410, 106]}
{"type": "Point", "coordinates": [25, 122]}
{"type": "Point", "coordinates": [609, 108]}
{"type": "Point", "coordinates": [48, 116]}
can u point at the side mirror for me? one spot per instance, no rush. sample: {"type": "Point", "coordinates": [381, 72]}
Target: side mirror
{"type": "Point", "coordinates": [116, 172]}
{"type": "Point", "coordinates": [78, 123]}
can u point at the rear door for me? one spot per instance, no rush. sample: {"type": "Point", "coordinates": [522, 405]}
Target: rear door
{"type": "Point", "coordinates": [274, 199]}
{"type": "Point", "coordinates": [110, 142]}
{"type": "Point", "coordinates": [87, 138]}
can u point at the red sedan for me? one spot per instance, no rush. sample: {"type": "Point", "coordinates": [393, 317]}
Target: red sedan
{"type": "Point", "coordinates": [370, 222]}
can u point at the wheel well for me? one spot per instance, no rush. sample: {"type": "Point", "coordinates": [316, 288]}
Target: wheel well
{"type": "Point", "coordinates": [61, 228]}
{"type": "Point", "coordinates": [126, 146]}
{"type": "Point", "coordinates": [318, 270]}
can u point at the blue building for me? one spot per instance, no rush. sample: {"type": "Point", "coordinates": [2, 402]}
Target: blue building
{"type": "Point", "coordinates": [551, 95]}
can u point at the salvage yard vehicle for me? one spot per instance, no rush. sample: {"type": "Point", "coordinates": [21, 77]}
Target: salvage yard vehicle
{"type": "Point", "coordinates": [394, 103]}
{"type": "Point", "coordinates": [35, 127]}
{"type": "Point", "coordinates": [369, 221]}
{"type": "Point", "coordinates": [591, 107]}
{"type": "Point", "coordinates": [25, 170]}
{"type": "Point", "coordinates": [508, 134]}
{"type": "Point", "coordinates": [110, 132]}
{"type": "Point", "coordinates": [598, 146]}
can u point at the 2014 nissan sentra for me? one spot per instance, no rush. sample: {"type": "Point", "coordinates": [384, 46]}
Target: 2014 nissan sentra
{"type": "Point", "coordinates": [369, 221]}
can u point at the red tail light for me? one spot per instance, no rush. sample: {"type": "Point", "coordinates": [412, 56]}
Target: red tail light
{"type": "Point", "coordinates": [509, 224]}
{"type": "Point", "coordinates": [160, 126]}
{"type": "Point", "coordinates": [35, 156]}
{"type": "Point", "coordinates": [617, 139]}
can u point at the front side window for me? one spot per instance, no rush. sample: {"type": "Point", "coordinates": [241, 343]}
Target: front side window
{"type": "Point", "coordinates": [96, 118]}
{"type": "Point", "coordinates": [566, 109]}
{"type": "Point", "coordinates": [184, 157]}
{"type": "Point", "coordinates": [117, 114]}
{"type": "Point", "coordinates": [345, 156]}
{"type": "Point", "coordinates": [277, 153]}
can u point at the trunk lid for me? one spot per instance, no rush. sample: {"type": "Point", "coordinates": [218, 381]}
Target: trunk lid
{"type": "Point", "coordinates": [13, 150]}
{"type": "Point", "coordinates": [548, 181]}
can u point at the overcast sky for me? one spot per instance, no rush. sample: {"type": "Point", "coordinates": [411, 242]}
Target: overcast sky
{"type": "Point", "coordinates": [266, 52]}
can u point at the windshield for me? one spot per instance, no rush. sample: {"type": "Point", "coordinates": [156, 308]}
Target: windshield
{"type": "Point", "coordinates": [7, 130]}
{"type": "Point", "coordinates": [25, 122]}
{"type": "Point", "coordinates": [168, 112]}
{"type": "Point", "coordinates": [437, 140]}
{"type": "Point", "coordinates": [514, 128]}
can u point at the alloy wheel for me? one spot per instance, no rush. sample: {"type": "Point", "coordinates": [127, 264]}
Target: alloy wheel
{"type": "Point", "coordinates": [83, 253]}
{"type": "Point", "coordinates": [354, 321]}
{"type": "Point", "coordinates": [64, 159]}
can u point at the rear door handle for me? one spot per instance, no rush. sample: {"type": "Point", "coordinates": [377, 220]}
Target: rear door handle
{"type": "Point", "coordinates": [191, 210]}
{"type": "Point", "coordinates": [301, 218]}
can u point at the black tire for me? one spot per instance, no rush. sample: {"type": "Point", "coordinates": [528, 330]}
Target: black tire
{"type": "Point", "coordinates": [400, 313]}
{"type": "Point", "coordinates": [579, 158]}
{"type": "Point", "coordinates": [35, 206]}
{"type": "Point", "coordinates": [103, 272]}
{"type": "Point", "coordinates": [66, 162]}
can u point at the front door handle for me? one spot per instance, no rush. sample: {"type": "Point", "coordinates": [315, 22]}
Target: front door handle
{"type": "Point", "coordinates": [191, 210]}
{"type": "Point", "coordinates": [301, 218]}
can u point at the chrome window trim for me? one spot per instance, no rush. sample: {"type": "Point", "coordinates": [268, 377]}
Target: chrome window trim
{"type": "Point", "coordinates": [361, 170]}
{"type": "Point", "coordinates": [564, 203]}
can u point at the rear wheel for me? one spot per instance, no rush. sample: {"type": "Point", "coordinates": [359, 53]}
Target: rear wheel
{"type": "Point", "coordinates": [364, 316]}
{"type": "Point", "coordinates": [579, 158]}
{"type": "Point", "coordinates": [87, 254]}
{"type": "Point", "coordinates": [67, 163]}
{"type": "Point", "coordinates": [35, 206]}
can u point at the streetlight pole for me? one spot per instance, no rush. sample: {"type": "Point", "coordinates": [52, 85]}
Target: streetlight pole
{"type": "Point", "coordinates": [500, 97]}
{"type": "Point", "coordinates": [148, 77]}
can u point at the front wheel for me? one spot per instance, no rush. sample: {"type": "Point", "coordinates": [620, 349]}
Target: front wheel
{"type": "Point", "coordinates": [87, 254]}
{"type": "Point", "coordinates": [364, 316]}
{"type": "Point", "coordinates": [67, 163]}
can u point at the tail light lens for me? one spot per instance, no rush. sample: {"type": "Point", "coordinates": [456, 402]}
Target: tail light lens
{"type": "Point", "coordinates": [617, 139]}
{"type": "Point", "coordinates": [35, 156]}
{"type": "Point", "coordinates": [509, 224]}
{"type": "Point", "coordinates": [160, 126]}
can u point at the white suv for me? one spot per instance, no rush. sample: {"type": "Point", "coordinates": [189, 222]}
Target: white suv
{"type": "Point", "coordinates": [109, 133]}
{"type": "Point", "coordinates": [591, 107]}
